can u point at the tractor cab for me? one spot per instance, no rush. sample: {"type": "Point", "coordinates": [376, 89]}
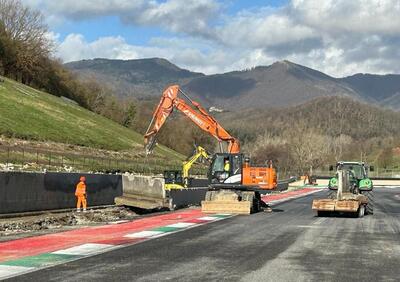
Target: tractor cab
{"type": "Point", "coordinates": [226, 168]}
{"type": "Point", "coordinates": [358, 175]}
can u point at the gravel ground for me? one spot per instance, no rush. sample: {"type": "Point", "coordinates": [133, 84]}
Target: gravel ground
{"type": "Point", "coordinates": [13, 228]}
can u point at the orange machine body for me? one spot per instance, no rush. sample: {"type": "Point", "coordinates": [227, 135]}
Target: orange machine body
{"type": "Point", "coordinates": [263, 177]}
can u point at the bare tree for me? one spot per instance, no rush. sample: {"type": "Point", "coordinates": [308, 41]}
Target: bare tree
{"type": "Point", "coordinates": [27, 30]}
{"type": "Point", "coordinates": [309, 149]}
{"type": "Point", "coordinates": [338, 146]}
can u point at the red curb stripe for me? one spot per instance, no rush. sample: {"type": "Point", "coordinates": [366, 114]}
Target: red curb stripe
{"type": "Point", "coordinates": [53, 242]}
{"type": "Point", "coordinates": [275, 197]}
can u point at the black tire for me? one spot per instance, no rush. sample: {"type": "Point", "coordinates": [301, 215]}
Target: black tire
{"type": "Point", "coordinates": [332, 194]}
{"type": "Point", "coordinates": [361, 211]}
{"type": "Point", "coordinates": [322, 213]}
{"type": "Point", "coordinates": [369, 209]}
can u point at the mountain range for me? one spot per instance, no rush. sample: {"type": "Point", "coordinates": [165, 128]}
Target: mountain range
{"type": "Point", "coordinates": [281, 84]}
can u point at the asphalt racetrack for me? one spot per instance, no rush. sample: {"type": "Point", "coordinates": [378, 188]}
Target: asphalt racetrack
{"type": "Point", "coordinates": [289, 244]}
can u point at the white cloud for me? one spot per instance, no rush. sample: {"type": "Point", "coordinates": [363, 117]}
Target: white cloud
{"type": "Point", "coordinates": [260, 30]}
{"type": "Point", "coordinates": [183, 16]}
{"type": "Point", "coordinates": [363, 16]}
{"type": "Point", "coordinates": [339, 37]}
{"type": "Point", "coordinates": [75, 47]}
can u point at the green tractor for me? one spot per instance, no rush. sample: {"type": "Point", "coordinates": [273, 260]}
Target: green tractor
{"type": "Point", "coordinates": [358, 180]}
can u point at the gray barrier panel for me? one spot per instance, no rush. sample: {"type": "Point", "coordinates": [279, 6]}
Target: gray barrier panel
{"type": "Point", "coordinates": [24, 192]}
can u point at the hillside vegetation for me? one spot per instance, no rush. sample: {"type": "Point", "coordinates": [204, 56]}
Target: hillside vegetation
{"type": "Point", "coordinates": [318, 133]}
{"type": "Point", "coordinates": [27, 56]}
{"type": "Point", "coordinates": [133, 78]}
{"type": "Point", "coordinates": [27, 113]}
{"type": "Point", "coordinates": [329, 115]}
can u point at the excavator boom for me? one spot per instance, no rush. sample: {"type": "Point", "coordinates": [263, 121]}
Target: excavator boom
{"type": "Point", "coordinates": [234, 185]}
{"type": "Point", "coordinates": [193, 111]}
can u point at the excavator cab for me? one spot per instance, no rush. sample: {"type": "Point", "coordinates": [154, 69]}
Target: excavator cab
{"type": "Point", "coordinates": [226, 168]}
{"type": "Point", "coordinates": [173, 179]}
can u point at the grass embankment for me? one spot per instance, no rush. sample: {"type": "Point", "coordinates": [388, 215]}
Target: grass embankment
{"type": "Point", "coordinates": [29, 114]}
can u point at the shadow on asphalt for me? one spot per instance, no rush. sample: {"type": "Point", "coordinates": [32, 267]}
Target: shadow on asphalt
{"type": "Point", "coordinates": [340, 215]}
{"type": "Point", "coordinates": [277, 210]}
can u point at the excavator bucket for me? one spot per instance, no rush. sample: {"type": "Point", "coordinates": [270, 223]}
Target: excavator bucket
{"type": "Point", "coordinates": [229, 201]}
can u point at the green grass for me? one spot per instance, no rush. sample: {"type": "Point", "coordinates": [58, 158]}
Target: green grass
{"type": "Point", "coordinates": [27, 113]}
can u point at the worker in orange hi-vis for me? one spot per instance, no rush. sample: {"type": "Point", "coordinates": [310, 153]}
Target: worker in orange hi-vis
{"type": "Point", "coordinates": [80, 194]}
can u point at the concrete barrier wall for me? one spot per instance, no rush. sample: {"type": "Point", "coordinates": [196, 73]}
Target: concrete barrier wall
{"type": "Point", "coordinates": [24, 192]}
{"type": "Point", "coordinates": [147, 186]}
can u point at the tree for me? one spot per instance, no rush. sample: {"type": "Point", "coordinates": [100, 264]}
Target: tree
{"type": "Point", "coordinates": [309, 149]}
{"type": "Point", "coordinates": [385, 158]}
{"type": "Point", "coordinates": [129, 114]}
{"type": "Point", "coordinates": [27, 31]}
{"type": "Point", "coordinates": [338, 146]}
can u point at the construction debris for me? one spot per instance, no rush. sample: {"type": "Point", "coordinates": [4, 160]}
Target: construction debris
{"type": "Point", "coordinates": [13, 226]}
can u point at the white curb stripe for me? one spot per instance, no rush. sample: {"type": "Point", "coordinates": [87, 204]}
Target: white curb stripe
{"type": "Point", "coordinates": [208, 218]}
{"type": "Point", "coordinates": [118, 222]}
{"type": "Point", "coordinates": [181, 224]}
{"type": "Point", "coordinates": [85, 249]}
{"type": "Point", "coordinates": [146, 234]}
{"type": "Point", "coordinates": [7, 271]}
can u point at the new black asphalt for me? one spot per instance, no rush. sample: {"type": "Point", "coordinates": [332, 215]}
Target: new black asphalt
{"type": "Point", "coordinates": [289, 244]}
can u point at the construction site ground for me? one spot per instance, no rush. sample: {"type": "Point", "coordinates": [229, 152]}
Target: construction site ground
{"type": "Point", "coordinates": [288, 244]}
{"type": "Point", "coordinates": [31, 224]}
{"type": "Point", "coordinates": [21, 226]}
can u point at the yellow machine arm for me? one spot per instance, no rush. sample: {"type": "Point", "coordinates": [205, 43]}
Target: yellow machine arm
{"type": "Point", "coordinates": [187, 165]}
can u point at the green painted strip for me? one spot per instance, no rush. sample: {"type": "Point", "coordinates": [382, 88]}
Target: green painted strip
{"type": "Point", "coordinates": [41, 260]}
{"type": "Point", "coordinates": [166, 229]}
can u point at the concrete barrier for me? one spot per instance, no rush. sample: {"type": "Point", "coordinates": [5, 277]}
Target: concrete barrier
{"type": "Point", "coordinates": [144, 192]}
{"type": "Point", "coordinates": [25, 192]}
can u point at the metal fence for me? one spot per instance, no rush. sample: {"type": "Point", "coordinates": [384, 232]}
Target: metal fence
{"type": "Point", "coordinates": [35, 159]}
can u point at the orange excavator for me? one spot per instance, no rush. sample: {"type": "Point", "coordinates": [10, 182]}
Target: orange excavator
{"type": "Point", "coordinates": [234, 185]}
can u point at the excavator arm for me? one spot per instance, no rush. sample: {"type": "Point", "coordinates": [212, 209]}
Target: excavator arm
{"type": "Point", "coordinates": [200, 152]}
{"type": "Point", "coordinates": [194, 111]}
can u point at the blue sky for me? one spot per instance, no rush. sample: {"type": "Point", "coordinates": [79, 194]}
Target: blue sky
{"type": "Point", "coordinates": [338, 37]}
{"type": "Point", "coordinates": [94, 28]}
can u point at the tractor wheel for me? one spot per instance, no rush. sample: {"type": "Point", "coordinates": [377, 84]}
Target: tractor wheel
{"type": "Point", "coordinates": [332, 194]}
{"type": "Point", "coordinates": [361, 211]}
{"type": "Point", "coordinates": [322, 213]}
{"type": "Point", "coordinates": [370, 206]}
